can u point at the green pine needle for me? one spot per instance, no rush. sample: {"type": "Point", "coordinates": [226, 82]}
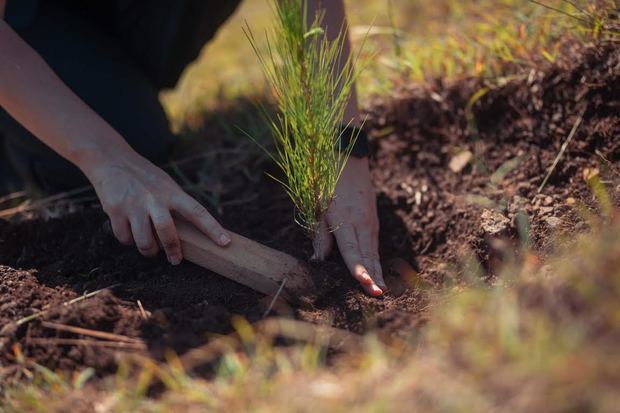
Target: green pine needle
{"type": "Point", "coordinates": [311, 89]}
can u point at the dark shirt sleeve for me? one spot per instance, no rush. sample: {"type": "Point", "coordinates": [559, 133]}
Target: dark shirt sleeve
{"type": "Point", "coordinates": [20, 13]}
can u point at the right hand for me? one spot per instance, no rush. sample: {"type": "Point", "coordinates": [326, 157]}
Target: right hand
{"type": "Point", "coordinates": [139, 199]}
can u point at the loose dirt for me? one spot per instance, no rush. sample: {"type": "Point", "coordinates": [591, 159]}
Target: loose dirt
{"type": "Point", "coordinates": [452, 184]}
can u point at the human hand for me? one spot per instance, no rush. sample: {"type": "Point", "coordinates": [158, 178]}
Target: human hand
{"type": "Point", "coordinates": [353, 218]}
{"type": "Point", "coordinates": [139, 199]}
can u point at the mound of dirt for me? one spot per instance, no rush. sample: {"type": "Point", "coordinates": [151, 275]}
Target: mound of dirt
{"type": "Point", "coordinates": [454, 177]}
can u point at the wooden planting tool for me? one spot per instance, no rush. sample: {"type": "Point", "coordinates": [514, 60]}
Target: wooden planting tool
{"type": "Point", "coordinates": [247, 262]}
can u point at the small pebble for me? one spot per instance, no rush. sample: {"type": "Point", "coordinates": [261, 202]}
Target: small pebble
{"type": "Point", "coordinates": [553, 222]}
{"type": "Point", "coordinates": [418, 198]}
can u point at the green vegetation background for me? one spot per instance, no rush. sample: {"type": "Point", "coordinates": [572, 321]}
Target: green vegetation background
{"type": "Point", "coordinates": [408, 40]}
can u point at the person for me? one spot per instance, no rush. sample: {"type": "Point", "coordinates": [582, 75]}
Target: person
{"type": "Point", "coordinates": [79, 85]}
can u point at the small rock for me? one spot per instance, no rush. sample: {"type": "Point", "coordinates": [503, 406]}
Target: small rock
{"type": "Point", "coordinates": [418, 197]}
{"type": "Point", "coordinates": [553, 222]}
{"type": "Point", "coordinates": [544, 210]}
{"type": "Point", "coordinates": [570, 201]}
{"type": "Point", "coordinates": [548, 201]}
{"type": "Point", "coordinates": [493, 222]}
{"type": "Point", "coordinates": [460, 161]}
{"type": "Point", "coordinates": [517, 205]}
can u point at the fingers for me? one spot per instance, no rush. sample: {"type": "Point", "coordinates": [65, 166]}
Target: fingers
{"type": "Point", "coordinates": [167, 234]}
{"type": "Point", "coordinates": [323, 243]}
{"type": "Point", "coordinates": [143, 235]}
{"type": "Point", "coordinates": [349, 248]}
{"type": "Point", "coordinates": [121, 230]}
{"type": "Point", "coordinates": [369, 250]}
{"type": "Point", "coordinates": [198, 215]}
{"type": "Point", "coordinates": [378, 276]}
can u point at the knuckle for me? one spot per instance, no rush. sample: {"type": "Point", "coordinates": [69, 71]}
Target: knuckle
{"type": "Point", "coordinates": [350, 246]}
{"type": "Point", "coordinates": [199, 211]}
{"type": "Point", "coordinates": [370, 256]}
{"type": "Point", "coordinates": [124, 239]}
{"type": "Point", "coordinates": [145, 245]}
{"type": "Point", "coordinates": [365, 255]}
{"type": "Point", "coordinates": [162, 222]}
{"type": "Point", "coordinates": [171, 244]}
{"type": "Point", "coordinates": [167, 236]}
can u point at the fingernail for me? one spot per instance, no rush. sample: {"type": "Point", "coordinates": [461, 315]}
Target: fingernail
{"type": "Point", "coordinates": [376, 291]}
{"type": "Point", "coordinates": [174, 260]}
{"type": "Point", "coordinates": [224, 239]}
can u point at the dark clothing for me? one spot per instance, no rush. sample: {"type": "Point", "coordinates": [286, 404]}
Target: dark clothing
{"type": "Point", "coordinates": [115, 55]}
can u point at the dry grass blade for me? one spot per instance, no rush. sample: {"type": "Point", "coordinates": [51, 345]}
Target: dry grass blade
{"type": "Point", "coordinates": [275, 298]}
{"type": "Point", "coordinates": [562, 150]}
{"type": "Point", "coordinates": [65, 304]}
{"type": "Point", "coordinates": [12, 196]}
{"type": "Point", "coordinates": [92, 333]}
{"type": "Point", "coordinates": [142, 311]}
{"type": "Point", "coordinates": [272, 328]}
{"type": "Point", "coordinates": [555, 9]}
{"type": "Point", "coordinates": [27, 206]}
{"type": "Point", "coordinates": [85, 342]}
{"type": "Point", "coordinates": [310, 333]}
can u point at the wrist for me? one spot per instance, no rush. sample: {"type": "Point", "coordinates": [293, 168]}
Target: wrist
{"type": "Point", "coordinates": [91, 157]}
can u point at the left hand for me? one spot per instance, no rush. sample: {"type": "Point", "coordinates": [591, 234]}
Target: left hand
{"type": "Point", "coordinates": [352, 217]}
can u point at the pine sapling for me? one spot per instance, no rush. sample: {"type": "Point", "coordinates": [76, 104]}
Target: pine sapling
{"type": "Point", "coordinates": [311, 81]}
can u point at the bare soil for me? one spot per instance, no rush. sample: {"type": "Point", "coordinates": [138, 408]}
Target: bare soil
{"type": "Point", "coordinates": [435, 210]}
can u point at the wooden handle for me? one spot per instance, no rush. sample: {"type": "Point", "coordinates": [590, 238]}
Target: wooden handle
{"type": "Point", "coordinates": [246, 262]}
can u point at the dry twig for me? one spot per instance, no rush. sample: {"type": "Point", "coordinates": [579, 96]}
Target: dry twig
{"type": "Point", "coordinates": [272, 328]}
{"type": "Point", "coordinates": [562, 150]}
{"type": "Point", "coordinates": [92, 333]}
{"type": "Point", "coordinates": [46, 308]}
{"type": "Point", "coordinates": [84, 342]}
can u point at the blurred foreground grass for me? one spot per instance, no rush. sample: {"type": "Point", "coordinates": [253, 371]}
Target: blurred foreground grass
{"type": "Point", "coordinates": [542, 338]}
{"type": "Point", "coordinates": [406, 40]}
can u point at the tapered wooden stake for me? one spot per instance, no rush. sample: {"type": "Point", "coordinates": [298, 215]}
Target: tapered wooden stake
{"type": "Point", "coordinates": [247, 262]}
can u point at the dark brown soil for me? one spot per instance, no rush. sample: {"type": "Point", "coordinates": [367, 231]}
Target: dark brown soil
{"type": "Point", "coordinates": [432, 216]}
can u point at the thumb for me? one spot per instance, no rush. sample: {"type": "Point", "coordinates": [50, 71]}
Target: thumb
{"type": "Point", "coordinates": [322, 242]}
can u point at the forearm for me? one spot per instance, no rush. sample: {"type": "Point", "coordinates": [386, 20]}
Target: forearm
{"type": "Point", "coordinates": [34, 95]}
{"type": "Point", "coordinates": [334, 21]}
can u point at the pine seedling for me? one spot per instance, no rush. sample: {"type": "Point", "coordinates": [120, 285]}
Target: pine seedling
{"type": "Point", "coordinates": [311, 81]}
